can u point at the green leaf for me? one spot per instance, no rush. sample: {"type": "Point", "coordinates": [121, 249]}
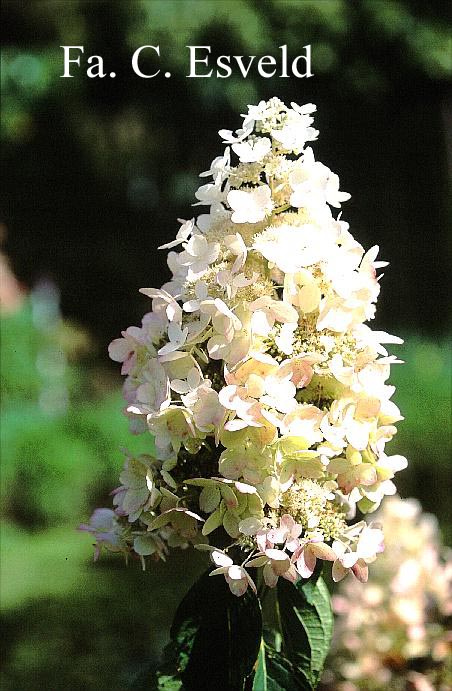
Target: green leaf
{"type": "Point", "coordinates": [275, 673]}
{"type": "Point", "coordinates": [215, 638]}
{"type": "Point", "coordinates": [213, 522]}
{"type": "Point", "coordinates": [307, 624]}
{"type": "Point", "coordinates": [209, 498]}
{"type": "Point", "coordinates": [169, 683]}
{"type": "Point", "coordinates": [231, 524]}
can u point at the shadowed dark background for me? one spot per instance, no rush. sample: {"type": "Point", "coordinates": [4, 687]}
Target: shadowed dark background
{"type": "Point", "coordinates": [96, 172]}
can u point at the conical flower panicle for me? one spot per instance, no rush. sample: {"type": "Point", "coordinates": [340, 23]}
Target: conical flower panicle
{"type": "Point", "coordinates": [256, 374]}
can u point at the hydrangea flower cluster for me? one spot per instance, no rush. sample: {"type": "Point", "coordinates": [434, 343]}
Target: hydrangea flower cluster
{"type": "Point", "coordinates": [393, 633]}
{"type": "Point", "coordinates": [255, 372]}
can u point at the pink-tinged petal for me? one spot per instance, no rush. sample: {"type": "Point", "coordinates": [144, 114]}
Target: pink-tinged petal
{"type": "Point", "coordinates": [270, 577]}
{"type": "Point", "coordinates": [120, 349]}
{"type": "Point", "coordinates": [364, 474]}
{"type": "Point", "coordinates": [301, 371]}
{"type": "Point", "coordinates": [136, 333]}
{"type": "Point", "coordinates": [237, 587]}
{"type": "Point", "coordinates": [349, 559]}
{"type": "Point", "coordinates": [323, 551]}
{"type": "Point", "coordinates": [287, 522]}
{"type": "Point", "coordinates": [291, 574]}
{"type": "Point", "coordinates": [306, 563]}
{"type": "Point", "coordinates": [281, 566]}
{"type": "Point", "coordinates": [280, 561]}
{"type": "Point", "coordinates": [129, 363]}
{"type": "Point", "coordinates": [276, 536]}
{"type": "Point", "coordinates": [261, 540]}
{"type": "Point", "coordinates": [297, 553]}
{"type": "Point", "coordinates": [361, 571]}
{"type": "Point", "coordinates": [296, 531]}
{"type": "Point", "coordinates": [338, 572]}
{"type": "Point", "coordinates": [292, 545]}
{"type": "Point", "coordinates": [370, 543]}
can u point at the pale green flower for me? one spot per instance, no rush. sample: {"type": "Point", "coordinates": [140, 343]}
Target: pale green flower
{"type": "Point", "coordinates": [138, 491]}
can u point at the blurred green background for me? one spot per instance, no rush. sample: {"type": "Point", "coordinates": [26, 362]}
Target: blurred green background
{"type": "Point", "coordinates": [96, 173]}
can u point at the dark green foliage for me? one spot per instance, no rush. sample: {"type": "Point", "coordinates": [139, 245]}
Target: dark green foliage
{"type": "Point", "coordinates": [215, 639]}
{"type": "Point", "coordinates": [307, 624]}
{"type": "Point", "coordinates": [275, 673]}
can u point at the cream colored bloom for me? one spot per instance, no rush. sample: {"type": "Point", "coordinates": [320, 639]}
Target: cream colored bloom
{"type": "Point", "coordinates": [183, 234]}
{"type": "Point", "coordinates": [252, 151]}
{"type": "Point", "coordinates": [153, 394]}
{"type": "Point", "coordinates": [255, 369]}
{"type": "Point", "coordinates": [250, 206]}
{"type": "Point", "coordinates": [267, 311]}
{"type": "Point", "coordinates": [291, 248]}
{"type": "Point", "coordinates": [198, 254]}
